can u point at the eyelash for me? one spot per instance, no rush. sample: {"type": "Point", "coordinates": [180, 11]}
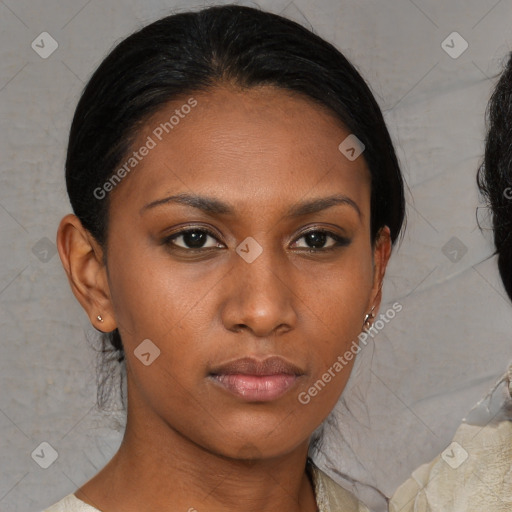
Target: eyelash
{"type": "Point", "coordinates": [340, 241]}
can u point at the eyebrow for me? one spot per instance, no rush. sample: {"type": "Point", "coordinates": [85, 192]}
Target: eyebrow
{"type": "Point", "coordinates": [216, 207]}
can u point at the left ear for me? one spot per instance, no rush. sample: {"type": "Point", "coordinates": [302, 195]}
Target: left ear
{"type": "Point", "coordinates": [381, 254]}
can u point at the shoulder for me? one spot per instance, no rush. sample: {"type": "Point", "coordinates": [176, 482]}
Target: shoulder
{"type": "Point", "coordinates": [471, 474]}
{"type": "Point", "coordinates": [71, 504]}
{"type": "Point", "coordinates": [474, 472]}
{"type": "Point", "coordinates": [330, 496]}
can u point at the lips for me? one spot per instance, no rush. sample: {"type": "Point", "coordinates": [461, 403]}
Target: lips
{"type": "Point", "coordinates": [250, 366]}
{"type": "Point", "coordinates": [257, 381]}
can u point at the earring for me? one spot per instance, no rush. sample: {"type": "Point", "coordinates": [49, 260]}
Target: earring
{"type": "Point", "coordinates": [99, 318]}
{"type": "Point", "coordinates": [367, 319]}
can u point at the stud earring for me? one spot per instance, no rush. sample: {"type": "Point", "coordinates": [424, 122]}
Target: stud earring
{"type": "Point", "coordinates": [367, 323]}
{"type": "Point", "coordinates": [99, 318]}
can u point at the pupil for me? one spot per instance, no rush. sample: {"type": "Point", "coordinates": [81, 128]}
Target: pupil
{"type": "Point", "coordinates": [195, 238]}
{"type": "Point", "coordinates": [316, 239]}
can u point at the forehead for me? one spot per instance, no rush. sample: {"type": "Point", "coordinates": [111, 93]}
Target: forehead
{"type": "Point", "coordinates": [260, 144]}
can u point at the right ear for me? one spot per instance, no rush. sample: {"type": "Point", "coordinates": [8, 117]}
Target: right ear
{"type": "Point", "coordinates": [82, 259]}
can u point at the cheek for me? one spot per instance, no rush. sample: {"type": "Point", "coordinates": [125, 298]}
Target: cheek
{"type": "Point", "coordinates": [154, 300]}
{"type": "Point", "coordinates": [338, 293]}
{"type": "Point", "coordinates": [337, 305]}
{"type": "Point", "coordinates": [151, 295]}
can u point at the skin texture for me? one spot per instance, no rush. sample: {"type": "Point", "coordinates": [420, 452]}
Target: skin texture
{"type": "Point", "coordinates": [189, 444]}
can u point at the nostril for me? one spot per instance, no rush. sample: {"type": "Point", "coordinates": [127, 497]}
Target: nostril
{"type": "Point", "coordinates": [239, 327]}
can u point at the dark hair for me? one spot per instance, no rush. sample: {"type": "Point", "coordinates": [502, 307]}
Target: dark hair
{"type": "Point", "coordinates": [194, 51]}
{"type": "Point", "coordinates": [495, 174]}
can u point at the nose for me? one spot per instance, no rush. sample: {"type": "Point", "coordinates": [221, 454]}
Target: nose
{"type": "Point", "coordinates": [259, 296]}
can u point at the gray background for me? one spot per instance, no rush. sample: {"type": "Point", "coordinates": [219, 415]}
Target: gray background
{"type": "Point", "coordinates": [429, 365]}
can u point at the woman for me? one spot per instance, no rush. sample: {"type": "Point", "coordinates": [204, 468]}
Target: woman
{"type": "Point", "coordinates": [235, 196]}
{"type": "Point", "coordinates": [474, 472]}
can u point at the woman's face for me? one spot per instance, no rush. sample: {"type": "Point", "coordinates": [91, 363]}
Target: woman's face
{"type": "Point", "coordinates": [242, 235]}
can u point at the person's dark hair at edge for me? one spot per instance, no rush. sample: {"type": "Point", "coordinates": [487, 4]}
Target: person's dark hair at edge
{"type": "Point", "coordinates": [495, 175]}
{"type": "Point", "coordinates": [195, 51]}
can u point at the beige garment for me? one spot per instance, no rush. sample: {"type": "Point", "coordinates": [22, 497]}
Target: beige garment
{"type": "Point", "coordinates": [473, 474]}
{"type": "Point", "coordinates": [330, 497]}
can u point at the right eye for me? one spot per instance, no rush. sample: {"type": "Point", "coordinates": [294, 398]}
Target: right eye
{"type": "Point", "coordinates": [193, 240]}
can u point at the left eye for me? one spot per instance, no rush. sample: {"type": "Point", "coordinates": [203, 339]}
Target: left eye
{"type": "Point", "coordinates": [194, 239]}
{"type": "Point", "coordinates": [317, 240]}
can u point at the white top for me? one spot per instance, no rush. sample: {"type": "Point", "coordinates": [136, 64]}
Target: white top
{"type": "Point", "coordinates": [330, 497]}
{"type": "Point", "coordinates": [71, 504]}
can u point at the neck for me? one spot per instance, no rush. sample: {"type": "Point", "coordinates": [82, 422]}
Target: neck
{"type": "Point", "coordinates": [158, 469]}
